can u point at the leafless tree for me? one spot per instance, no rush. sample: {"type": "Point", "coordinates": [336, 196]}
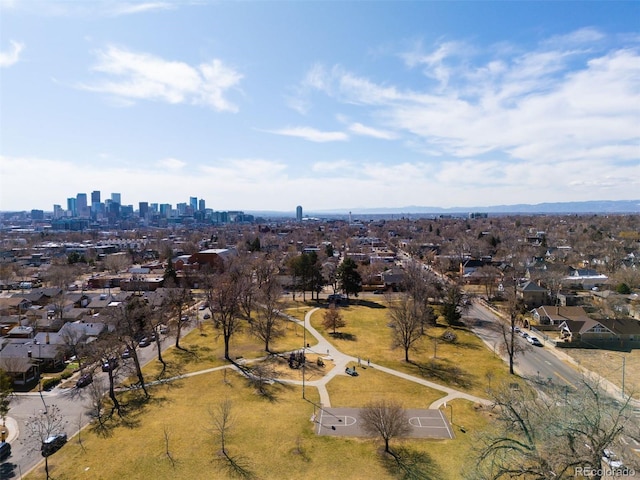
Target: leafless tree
{"type": "Point", "coordinates": [167, 435]}
{"type": "Point", "coordinates": [514, 306]}
{"type": "Point", "coordinates": [406, 323]}
{"type": "Point", "coordinates": [551, 432]}
{"type": "Point", "coordinates": [222, 420]}
{"type": "Point", "coordinates": [177, 301]}
{"type": "Point", "coordinates": [267, 324]}
{"type": "Point", "coordinates": [104, 351]}
{"type": "Point", "coordinates": [332, 319]}
{"type": "Point", "coordinates": [42, 426]}
{"type": "Point", "coordinates": [385, 418]}
{"type": "Point", "coordinates": [97, 408]}
{"type": "Point", "coordinates": [116, 262]}
{"type": "Point", "coordinates": [224, 302]}
{"type": "Point", "coordinates": [131, 322]}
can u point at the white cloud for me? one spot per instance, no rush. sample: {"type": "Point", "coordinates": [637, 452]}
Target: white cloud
{"type": "Point", "coordinates": [255, 183]}
{"type": "Point", "coordinates": [553, 102]}
{"type": "Point", "coordinates": [142, 76]}
{"type": "Point", "coordinates": [11, 56]}
{"type": "Point", "coordinates": [172, 164]}
{"type": "Point", "coordinates": [312, 134]}
{"type": "Point", "coordinates": [360, 129]}
{"type": "Point", "coordinates": [133, 8]}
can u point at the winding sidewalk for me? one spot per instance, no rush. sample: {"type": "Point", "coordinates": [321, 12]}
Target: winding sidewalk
{"type": "Point", "coordinates": [341, 360]}
{"type": "Point", "coordinates": [328, 351]}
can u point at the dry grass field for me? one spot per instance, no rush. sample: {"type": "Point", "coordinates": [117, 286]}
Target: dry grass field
{"type": "Point", "coordinates": [172, 436]}
{"type": "Point", "coordinates": [609, 365]}
{"type": "Point", "coordinates": [465, 364]}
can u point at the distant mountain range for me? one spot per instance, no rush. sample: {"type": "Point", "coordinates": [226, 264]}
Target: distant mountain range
{"type": "Point", "coordinates": [557, 208]}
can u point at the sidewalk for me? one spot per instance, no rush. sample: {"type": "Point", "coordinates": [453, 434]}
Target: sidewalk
{"type": "Point", "coordinates": [12, 427]}
{"type": "Point", "coordinates": [341, 360]}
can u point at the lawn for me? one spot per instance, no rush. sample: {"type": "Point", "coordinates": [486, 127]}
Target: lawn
{"type": "Point", "coordinates": [273, 437]}
{"type": "Point", "coordinates": [465, 364]}
{"type": "Point", "coordinates": [204, 348]}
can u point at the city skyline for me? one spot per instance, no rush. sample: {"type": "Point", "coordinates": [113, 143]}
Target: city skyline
{"type": "Point", "coordinates": [269, 105]}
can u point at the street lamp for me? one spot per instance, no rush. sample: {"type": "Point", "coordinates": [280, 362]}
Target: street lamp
{"type": "Point", "coordinates": [304, 347]}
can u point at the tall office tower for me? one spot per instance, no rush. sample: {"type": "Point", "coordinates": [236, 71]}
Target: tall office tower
{"type": "Point", "coordinates": [81, 205]}
{"type": "Point", "coordinates": [58, 212]}
{"type": "Point", "coordinates": [299, 213]}
{"type": "Point", "coordinates": [144, 209]}
{"type": "Point", "coordinates": [165, 209]}
{"type": "Point", "coordinates": [193, 203]}
{"type": "Point", "coordinates": [72, 207]}
{"type": "Point", "coordinates": [153, 207]}
{"type": "Point", "coordinates": [182, 208]}
{"type": "Point", "coordinates": [201, 205]}
{"type": "Point", "coordinates": [95, 202]}
{"type": "Point", "coordinates": [115, 197]}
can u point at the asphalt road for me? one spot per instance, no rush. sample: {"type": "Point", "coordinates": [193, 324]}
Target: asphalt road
{"type": "Point", "coordinates": [537, 363]}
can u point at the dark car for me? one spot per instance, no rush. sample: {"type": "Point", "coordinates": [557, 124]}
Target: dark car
{"type": "Point", "coordinates": [5, 450]}
{"type": "Point", "coordinates": [84, 380]}
{"type": "Point", "coordinates": [126, 353]}
{"type": "Point", "coordinates": [144, 342]}
{"type": "Point", "coordinates": [109, 365]}
{"type": "Point", "coordinates": [52, 444]}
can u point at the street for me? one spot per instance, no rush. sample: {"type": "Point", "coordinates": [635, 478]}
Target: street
{"type": "Point", "coordinates": [536, 363]}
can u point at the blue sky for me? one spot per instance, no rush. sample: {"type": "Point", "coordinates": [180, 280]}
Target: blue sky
{"type": "Point", "coordinates": [268, 105]}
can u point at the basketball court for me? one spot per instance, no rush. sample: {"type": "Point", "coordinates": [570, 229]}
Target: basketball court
{"type": "Point", "coordinates": [345, 422]}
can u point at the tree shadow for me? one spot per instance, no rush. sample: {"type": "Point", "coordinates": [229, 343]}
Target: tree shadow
{"type": "Point", "coordinates": [370, 304]}
{"type": "Point", "coordinates": [408, 464]}
{"type": "Point", "coordinates": [344, 336]}
{"type": "Point", "coordinates": [441, 369]}
{"type": "Point", "coordinates": [236, 466]}
{"type": "Point", "coordinates": [8, 470]}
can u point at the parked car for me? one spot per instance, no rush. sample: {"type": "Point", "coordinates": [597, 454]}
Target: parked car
{"type": "Point", "coordinates": [126, 353]}
{"type": "Point", "coordinates": [612, 459]}
{"type": "Point", "coordinates": [534, 341]}
{"type": "Point", "coordinates": [185, 318]}
{"type": "Point", "coordinates": [164, 329]}
{"type": "Point", "coordinates": [84, 380]}
{"type": "Point", "coordinates": [5, 450]}
{"type": "Point", "coordinates": [144, 342]}
{"type": "Point", "coordinates": [206, 316]}
{"type": "Point", "coordinates": [52, 444]}
{"type": "Point", "coordinates": [109, 365]}
{"type": "Point", "coordinates": [202, 307]}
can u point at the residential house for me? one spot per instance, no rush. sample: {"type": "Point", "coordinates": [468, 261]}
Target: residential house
{"type": "Point", "coordinates": [619, 332]}
{"type": "Point", "coordinates": [555, 315]}
{"type": "Point", "coordinates": [532, 294]}
{"type": "Point", "coordinates": [14, 305]}
{"type": "Point", "coordinates": [585, 278]}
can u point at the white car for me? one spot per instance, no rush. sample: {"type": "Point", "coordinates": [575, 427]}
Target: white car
{"type": "Point", "coordinates": [611, 459]}
{"type": "Point", "coordinates": [534, 341]}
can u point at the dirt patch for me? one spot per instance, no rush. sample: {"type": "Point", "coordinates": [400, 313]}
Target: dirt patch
{"type": "Point", "coordinates": [312, 371]}
{"type": "Point", "coordinates": [610, 364]}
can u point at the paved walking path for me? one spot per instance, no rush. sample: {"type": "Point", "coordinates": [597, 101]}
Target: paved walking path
{"type": "Point", "coordinates": [341, 360]}
{"type": "Point", "coordinates": [324, 348]}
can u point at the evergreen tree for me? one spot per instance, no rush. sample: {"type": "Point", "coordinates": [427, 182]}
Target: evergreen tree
{"type": "Point", "coordinates": [349, 279]}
